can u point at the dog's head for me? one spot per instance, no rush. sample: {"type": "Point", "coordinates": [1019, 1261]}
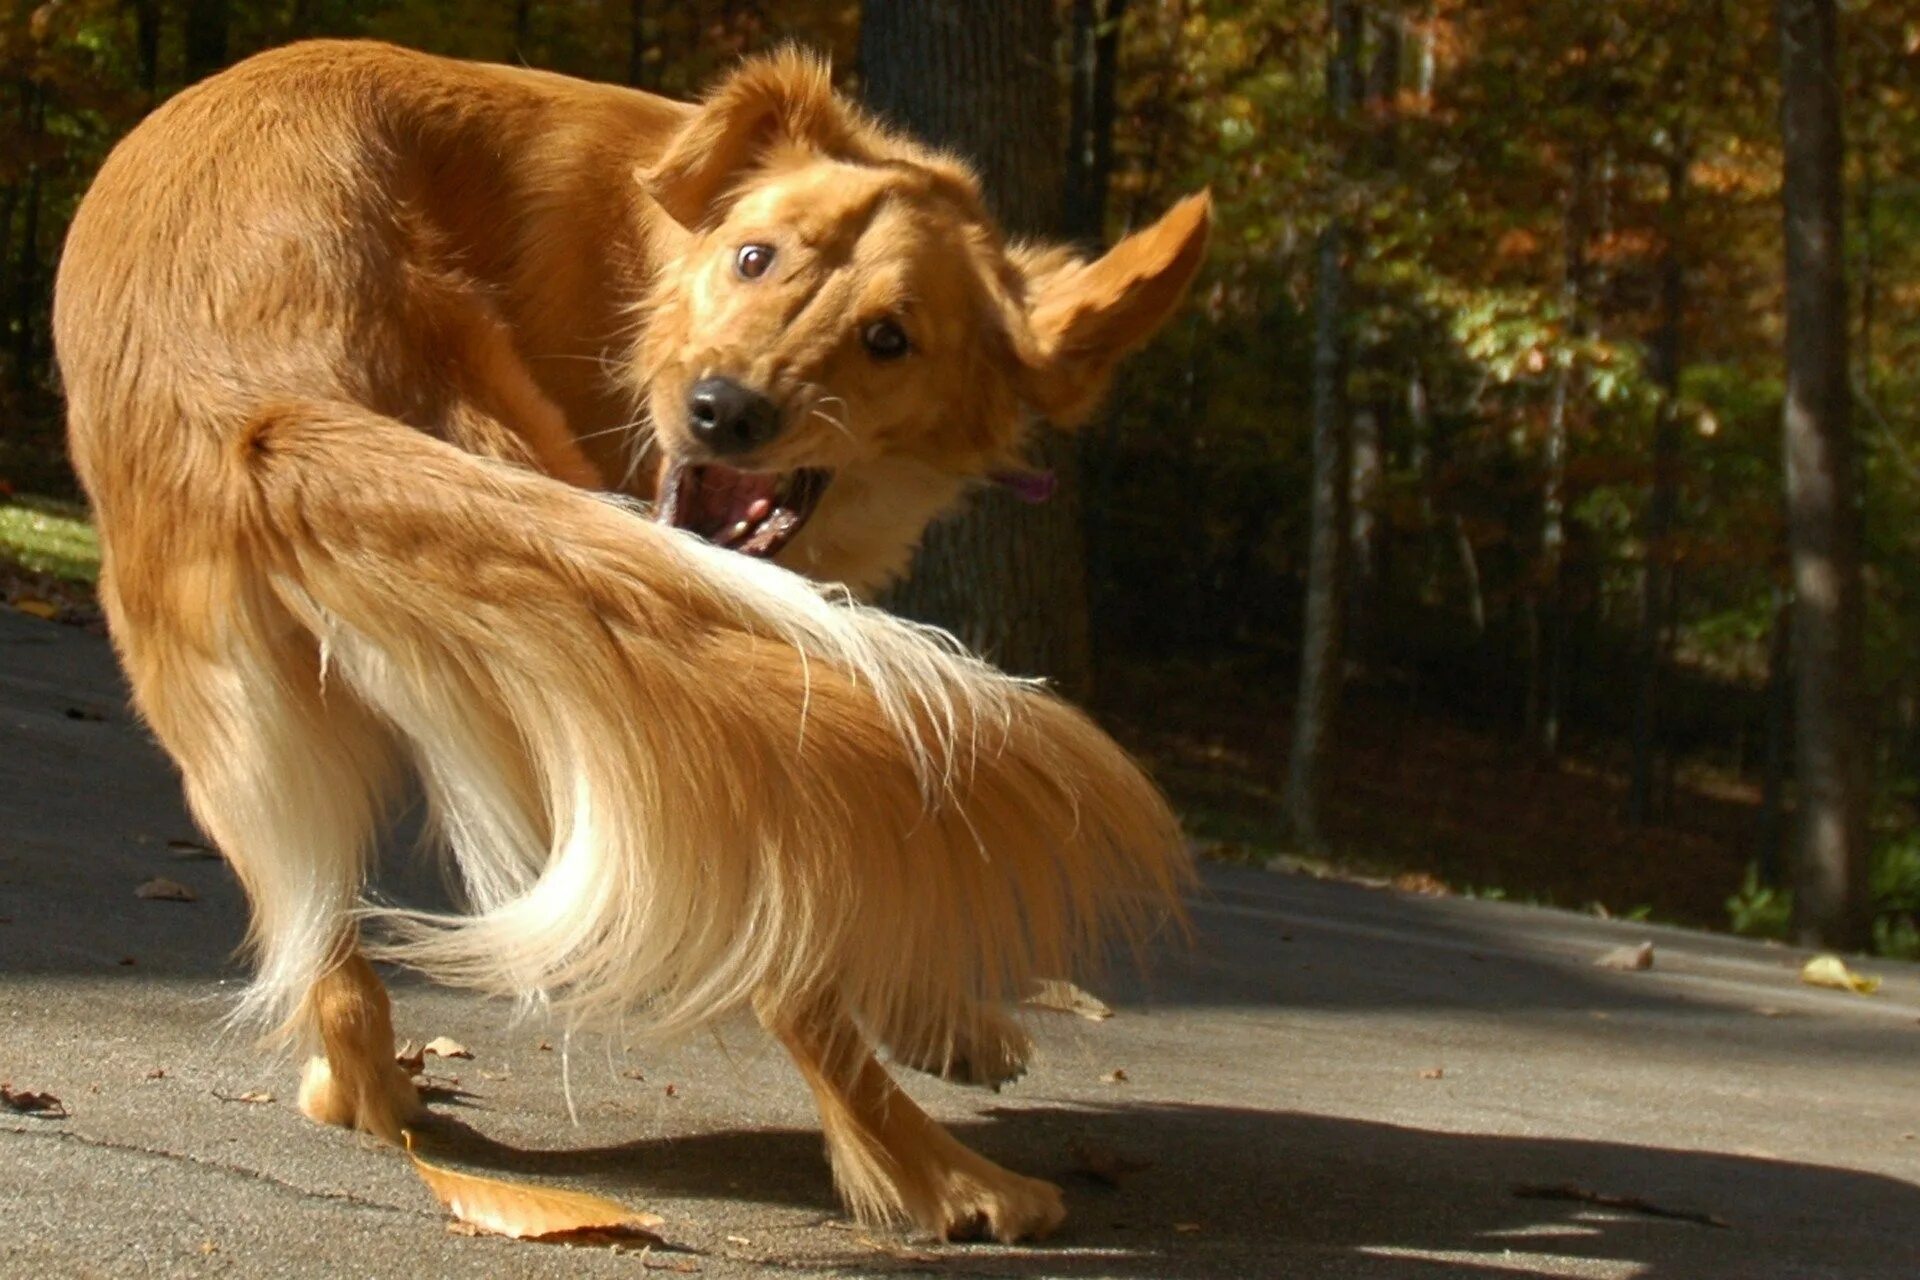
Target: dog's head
{"type": "Point", "coordinates": [839, 338]}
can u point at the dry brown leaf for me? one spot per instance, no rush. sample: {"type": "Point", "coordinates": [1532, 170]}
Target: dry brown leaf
{"type": "Point", "coordinates": [1832, 971]}
{"type": "Point", "coordinates": [525, 1212]}
{"type": "Point", "coordinates": [1116, 1076]}
{"type": "Point", "coordinates": [43, 609]}
{"type": "Point", "coordinates": [157, 1073]}
{"type": "Point", "coordinates": [446, 1047]}
{"type": "Point", "coordinates": [1433, 1073]}
{"type": "Point", "coordinates": [1097, 1160]}
{"type": "Point", "coordinates": [1627, 959]}
{"type": "Point", "coordinates": [1186, 1228]}
{"type": "Point", "coordinates": [1064, 997]}
{"type": "Point", "coordinates": [161, 889]}
{"type": "Point", "coordinates": [409, 1059]}
{"type": "Point", "coordinates": [41, 1106]}
{"type": "Point", "coordinates": [189, 850]}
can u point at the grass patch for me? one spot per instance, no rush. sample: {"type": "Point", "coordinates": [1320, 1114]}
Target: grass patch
{"type": "Point", "coordinates": [50, 537]}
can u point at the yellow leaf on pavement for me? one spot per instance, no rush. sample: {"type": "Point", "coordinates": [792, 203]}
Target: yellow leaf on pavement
{"type": "Point", "coordinates": [1064, 997]}
{"type": "Point", "coordinates": [526, 1212]}
{"type": "Point", "coordinates": [1832, 971]}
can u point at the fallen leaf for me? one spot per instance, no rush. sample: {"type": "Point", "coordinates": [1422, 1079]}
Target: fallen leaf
{"type": "Point", "coordinates": [255, 1096]}
{"type": "Point", "coordinates": [92, 714]}
{"type": "Point", "coordinates": [188, 850]}
{"type": "Point", "coordinates": [409, 1059]}
{"type": "Point", "coordinates": [127, 962]}
{"type": "Point", "coordinates": [41, 1106]}
{"type": "Point", "coordinates": [161, 889]}
{"type": "Point", "coordinates": [634, 1073]}
{"type": "Point", "coordinates": [1433, 1073]}
{"type": "Point", "coordinates": [42, 609]}
{"type": "Point", "coordinates": [157, 1073]}
{"type": "Point", "coordinates": [445, 1047]}
{"type": "Point", "coordinates": [1627, 959]}
{"type": "Point", "coordinates": [742, 1241]}
{"type": "Point", "coordinates": [1424, 883]}
{"type": "Point", "coordinates": [545, 1046]}
{"type": "Point", "coordinates": [1186, 1228]}
{"type": "Point", "coordinates": [673, 1091]}
{"type": "Point", "coordinates": [1116, 1076]}
{"type": "Point", "coordinates": [524, 1212]}
{"type": "Point", "coordinates": [1102, 1162]}
{"type": "Point", "coordinates": [1064, 997]}
{"type": "Point", "coordinates": [1832, 971]}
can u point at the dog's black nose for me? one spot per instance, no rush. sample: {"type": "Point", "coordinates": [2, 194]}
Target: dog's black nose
{"type": "Point", "coordinates": [728, 418]}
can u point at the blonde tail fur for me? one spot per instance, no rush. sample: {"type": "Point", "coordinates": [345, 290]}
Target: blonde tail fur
{"type": "Point", "coordinates": [678, 780]}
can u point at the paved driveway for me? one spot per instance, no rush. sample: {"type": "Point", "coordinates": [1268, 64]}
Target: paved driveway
{"type": "Point", "coordinates": [1333, 1082]}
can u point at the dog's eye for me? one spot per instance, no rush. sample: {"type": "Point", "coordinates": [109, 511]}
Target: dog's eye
{"type": "Point", "coordinates": [885, 340]}
{"type": "Point", "coordinates": [753, 260]}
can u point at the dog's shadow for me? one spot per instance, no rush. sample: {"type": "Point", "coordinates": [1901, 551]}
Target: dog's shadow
{"type": "Point", "coordinates": [1228, 1192]}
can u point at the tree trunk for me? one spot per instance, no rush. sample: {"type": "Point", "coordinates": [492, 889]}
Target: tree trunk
{"type": "Point", "coordinates": [1773, 778]}
{"type": "Point", "coordinates": [637, 75]}
{"type": "Point", "coordinates": [1008, 579]}
{"type": "Point", "coordinates": [1656, 582]}
{"type": "Point", "coordinates": [1547, 621]}
{"type": "Point", "coordinates": [1320, 658]}
{"type": "Point", "coordinates": [146, 50]}
{"type": "Point", "coordinates": [26, 270]}
{"type": "Point", "coordinates": [206, 38]}
{"type": "Point", "coordinates": [1831, 904]}
{"type": "Point", "coordinates": [1096, 61]}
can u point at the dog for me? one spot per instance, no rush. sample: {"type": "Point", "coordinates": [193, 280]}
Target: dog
{"type": "Point", "coordinates": [468, 422]}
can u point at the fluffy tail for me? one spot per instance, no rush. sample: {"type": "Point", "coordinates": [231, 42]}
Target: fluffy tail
{"type": "Point", "coordinates": [676, 779]}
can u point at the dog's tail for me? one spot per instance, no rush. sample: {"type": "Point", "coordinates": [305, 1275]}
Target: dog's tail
{"type": "Point", "coordinates": [676, 779]}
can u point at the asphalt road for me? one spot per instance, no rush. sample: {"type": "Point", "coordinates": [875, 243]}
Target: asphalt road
{"type": "Point", "coordinates": [1333, 1081]}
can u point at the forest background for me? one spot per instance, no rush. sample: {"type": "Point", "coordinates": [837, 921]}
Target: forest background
{"type": "Point", "coordinates": [1449, 539]}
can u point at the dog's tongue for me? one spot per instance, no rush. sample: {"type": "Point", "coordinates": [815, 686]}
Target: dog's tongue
{"type": "Point", "coordinates": [723, 499]}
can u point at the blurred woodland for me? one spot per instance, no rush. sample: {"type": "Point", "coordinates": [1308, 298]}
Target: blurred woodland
{"type": "Point", "coordinates": [1449, 534]}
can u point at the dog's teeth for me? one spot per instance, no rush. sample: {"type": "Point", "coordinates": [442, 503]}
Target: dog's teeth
{"type": "Point", "coordinates": [739, 530]}
{"type": "Point", "coordinates": [759, 508]}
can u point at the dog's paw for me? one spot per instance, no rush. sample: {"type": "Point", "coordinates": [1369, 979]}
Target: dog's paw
{"type": "Point", "coordinates": [378, 1099]}
{"type": "Point", "coordinates": [995, 1204]}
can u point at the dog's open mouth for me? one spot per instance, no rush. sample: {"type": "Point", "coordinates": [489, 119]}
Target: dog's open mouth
{"type": "Point", "coordinates": [750, 512]}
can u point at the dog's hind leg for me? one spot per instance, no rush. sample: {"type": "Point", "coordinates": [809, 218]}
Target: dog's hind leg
{"type": "Point", "coordinates": [889, 1158]}
{"type": "Point", "coordinates": [355, 1082]}
{"type": "Point", "coordinates": [288, 773]}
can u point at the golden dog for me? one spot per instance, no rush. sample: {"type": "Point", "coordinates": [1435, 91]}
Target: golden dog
{"type": "Point", "coordinates": [350, 335]}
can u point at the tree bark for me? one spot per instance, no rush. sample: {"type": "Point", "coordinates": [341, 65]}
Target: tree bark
{"type": "Point", "coordinates": [637, 44]}
{"type": "Point", "coordinates": [146, 49]}
{"type": "Point", "coordinates": [1831, 905]}
{"type": "Point", "coordinates": [1546, 606]}
{"type": "Point", "coordinates": [1008, 579]}
{"type": "Point", "coordinates": [207, 25]}
{"type": "Point", "coordinates": [1090, 113]}
{"type": "Point", "coordinates": [1320, 657]}
{"type": "Point", "coordinates": [1656, 582]}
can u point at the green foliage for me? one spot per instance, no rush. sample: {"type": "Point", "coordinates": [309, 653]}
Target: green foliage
{"type": "Point", "coordinates": [1758, 909]}
{"type": "Point", "coordinates": [49, 537]}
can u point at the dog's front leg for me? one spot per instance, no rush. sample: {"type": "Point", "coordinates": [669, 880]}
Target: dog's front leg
{"type": "Point", "coordinates": [889, 1158]}
{"type": "Point", "coordinates": [355, 1081]}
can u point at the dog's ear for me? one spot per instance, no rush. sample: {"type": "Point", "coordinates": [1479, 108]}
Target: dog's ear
{"type": "Point", "coordinates": [1085, 316]}
{"type": "Point", "coordinates": [785, 95]}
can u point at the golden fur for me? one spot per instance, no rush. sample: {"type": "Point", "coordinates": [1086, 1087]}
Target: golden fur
{"type": "Point", "coordinates": [349, 335]}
